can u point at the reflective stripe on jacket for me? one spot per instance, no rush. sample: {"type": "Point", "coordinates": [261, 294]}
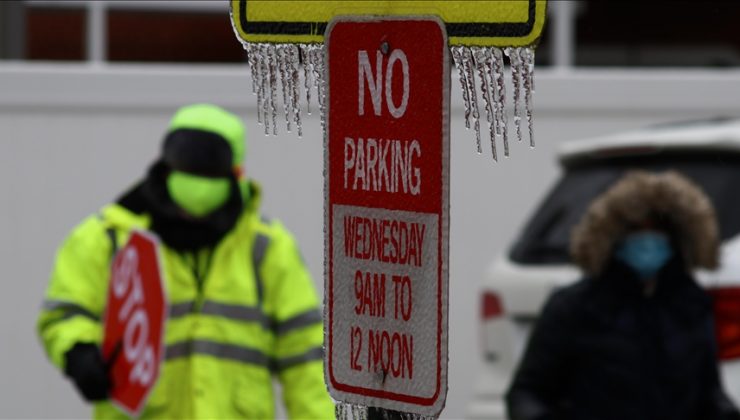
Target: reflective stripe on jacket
{"type": "Point", "coordinates": [236, 317]}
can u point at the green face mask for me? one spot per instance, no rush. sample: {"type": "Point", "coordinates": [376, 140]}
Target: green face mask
{"type": "Point", "coordinates": [198, 195]}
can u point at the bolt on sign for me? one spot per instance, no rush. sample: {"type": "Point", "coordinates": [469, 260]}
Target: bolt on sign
{"type": "Point", "coordinates": [134, 322]}
{"type": "Point", "coordinates": [387, 212]}
{"type": "Point", "coordinates": [283, 39]}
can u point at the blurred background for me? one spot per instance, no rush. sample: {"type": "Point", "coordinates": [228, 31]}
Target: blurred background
{"type": "Point", "coordinates": [87, 88]}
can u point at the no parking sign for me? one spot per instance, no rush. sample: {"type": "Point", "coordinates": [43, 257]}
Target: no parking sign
{"type": "Point", "coordinates": [387, 212]}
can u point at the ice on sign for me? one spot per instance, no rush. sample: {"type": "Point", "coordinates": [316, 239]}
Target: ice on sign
{"type": "Point", "coordinates": [277, 71]}
{"type": "Point", "coordinates": [286, 61]}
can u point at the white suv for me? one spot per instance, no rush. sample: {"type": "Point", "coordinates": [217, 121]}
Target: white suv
{"type": "Point", "coordinates": [538, 262]}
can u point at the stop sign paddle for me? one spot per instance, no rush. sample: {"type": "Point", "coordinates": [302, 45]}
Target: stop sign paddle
{"type": "Point", "coordinates": [134, 322]}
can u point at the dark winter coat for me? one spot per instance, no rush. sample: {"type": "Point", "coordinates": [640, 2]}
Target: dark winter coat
{"type": "Point", "coordinates": [605, 349]}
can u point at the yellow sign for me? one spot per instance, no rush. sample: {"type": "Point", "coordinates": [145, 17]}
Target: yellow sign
{"type": "Point", "coordinates": [501, 23]}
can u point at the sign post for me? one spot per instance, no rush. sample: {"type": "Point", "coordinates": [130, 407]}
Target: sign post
{"type": "Point", "coordinates": [134, 322]}
{"type": "Point", "coordinates": [387, 212]}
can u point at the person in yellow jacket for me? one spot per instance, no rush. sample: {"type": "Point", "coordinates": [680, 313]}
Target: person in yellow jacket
{"type": "Point", "coordinates": [242, 306]}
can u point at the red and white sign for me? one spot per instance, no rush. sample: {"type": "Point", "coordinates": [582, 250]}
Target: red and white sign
{"type": "Point", "coordinates": [134, 322]}
{"type": "Point", "coordinates": [387, 212]}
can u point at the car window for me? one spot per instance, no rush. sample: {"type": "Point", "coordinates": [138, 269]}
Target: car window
{"type": "Point", "coordinates": [545, 237]}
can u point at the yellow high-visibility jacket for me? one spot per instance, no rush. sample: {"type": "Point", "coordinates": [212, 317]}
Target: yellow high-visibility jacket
{"type": "Point", "coordinates": [253, 313]}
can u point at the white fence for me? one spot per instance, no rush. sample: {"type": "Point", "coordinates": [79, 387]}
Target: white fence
{"type": "Point", "coordinates": [73, 137]}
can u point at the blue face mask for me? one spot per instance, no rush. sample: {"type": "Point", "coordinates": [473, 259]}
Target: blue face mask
{"type": "Point", "coordinates": [645, 252]}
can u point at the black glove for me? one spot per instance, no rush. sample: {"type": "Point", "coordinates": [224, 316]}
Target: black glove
{"type": "Point", "coordinates": [85, 366]}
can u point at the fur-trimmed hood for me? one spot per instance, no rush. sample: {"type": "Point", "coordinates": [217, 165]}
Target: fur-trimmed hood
{"type": "Point", "coordinates": [631, 200]}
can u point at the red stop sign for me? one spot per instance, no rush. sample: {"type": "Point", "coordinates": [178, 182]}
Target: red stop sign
{"type": "Point", "coordinates": [134, 322]}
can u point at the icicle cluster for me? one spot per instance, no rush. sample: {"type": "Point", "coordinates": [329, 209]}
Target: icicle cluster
{"type": "Point", "coordinates": [486, 66]}
{"type": "Point", "coordinates": [277, 68]}
{"type": "Point", "coordinates": [276, 71]}
{"type": "Point", "coordinates": [347, 411]}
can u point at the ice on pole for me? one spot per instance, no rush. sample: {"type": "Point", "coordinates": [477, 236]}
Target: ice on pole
{"type": "Point", "coordinates": [516, 83]}
{"type": "Point", "coordinates": [499, 85]}
{"type": "Point", "coordinates": [286, 58]}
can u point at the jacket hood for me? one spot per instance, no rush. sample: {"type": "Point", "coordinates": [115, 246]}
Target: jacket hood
{"type": "Point", "coordinates": [634, 198]}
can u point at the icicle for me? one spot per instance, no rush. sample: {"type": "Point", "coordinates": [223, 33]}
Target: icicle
{"type": "Point", "coordinates": [316, 76]}
{"type": "Point", "coordinates": [252, 53]}
{"type": "Point", "coordinates": [322, 87]}
{"type": "Point", "coordinates": [457, 56]}
{"type": "Point", "coordinates": [262, 96]}
{"type": "Point", "coordinates": [256, 80]}
{"type": "Point", "coordinates": [527, 58]}
{"type": "Point", "coordinates": [313, 60]}
{"type": "Point", "coordinates": [339, 410]}
{"type": "Point", "coordinates": [257, 77]}
{"type": "Point", "coordinates": [482, 58]}
{"type": "Point", "coordinates": [359, 412]}
{"type": "Point", "coordinates": [272, 59]}
{"type": "Point", "coordinates": [516, 71]}
{"type": "Point", "coordinates": [470, 76]}
{"type": "Point", "coordinates": [307, 72]}
{"type": "Point", "coordinates": [285, 80]}
{"type": "Point", "coordinates": [276, 67]}
{"type": "Point", "coordinates": [497, 77]}
{"type": "Point", "coordinates": [348, 411]}
{"type": "Point", "coordinates": [317, 51]}
{"type": "Point", "coordinates": [295, 85]}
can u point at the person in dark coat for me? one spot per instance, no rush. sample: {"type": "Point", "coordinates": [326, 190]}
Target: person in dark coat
{"type": "Point", "coordinates": [634, 339]}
